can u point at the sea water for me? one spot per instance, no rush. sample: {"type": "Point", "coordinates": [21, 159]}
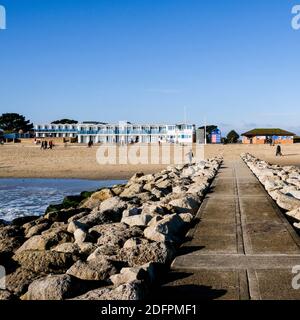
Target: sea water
{"type": "Point", "coordinates": [27, 197]}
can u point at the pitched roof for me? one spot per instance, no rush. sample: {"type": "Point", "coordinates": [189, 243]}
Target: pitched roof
{"type": "Point", "coordinates": [268, 132]}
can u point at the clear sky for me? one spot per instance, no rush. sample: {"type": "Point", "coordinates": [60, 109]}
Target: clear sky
{"type": "Point", "coordinates": [234, 62]}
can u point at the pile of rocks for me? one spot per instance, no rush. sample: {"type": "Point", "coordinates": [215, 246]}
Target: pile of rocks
{"type": "Point", "coordinates": [282, 184]}
{"type": "Point", "coordinates": [110, 245]}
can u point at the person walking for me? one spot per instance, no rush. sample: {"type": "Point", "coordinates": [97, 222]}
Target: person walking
{"type": "Point", "coordinates": [190, 156]}
{"type": "Point", "coordinates": [278, 151]}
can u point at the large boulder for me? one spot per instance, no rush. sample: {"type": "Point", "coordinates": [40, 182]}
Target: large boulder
{"type": "Point", "coordinates": [67, 247]}
{"type": "Point", "coordinates": [115, 234]}
{"type": "Point", "coordinates": [97, 269]}
{"type": "Point", "coordinates": [129, 291]}
{"type": "Point", "coordinates": [132, 190]}
{"type": "Point", "coordinates": [142, 273]}
{"type": "Point", "coordinates": [147, 251]}
{"type": "Point", "coordinates": [287, 202]}
{"type": "Point", "coordinates": [52, 287]}
{"type": "Point", "coordinates": [109, 211]}
{"type": "Point", "coordinates": [96, 198]}
{"type": "Point", "coordinates": [45, 261]}
{"type": "Point", "coordinates": [186, 204]}
{"type": "Point", "coordinates": [137, 220]}
{"type": "Point", "coordinates": [18, 281]}
{"type": "Point", "coordinates": [46, 241]}
{"type": "Point", "coordinates": [294, 214]}
{"type": "Point", "coordinates": [166, 229]}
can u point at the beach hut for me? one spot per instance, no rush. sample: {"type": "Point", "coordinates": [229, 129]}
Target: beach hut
{"type": "Point", "coordinates": [268, 136]}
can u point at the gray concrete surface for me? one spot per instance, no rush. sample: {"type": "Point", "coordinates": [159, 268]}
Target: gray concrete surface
{"type": "Point", "coordinates": [242, 248]}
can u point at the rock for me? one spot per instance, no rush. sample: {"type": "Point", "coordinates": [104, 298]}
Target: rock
{"type": "Point", "coordinates": [10, 245]}
{"type": "Point", "coordinates": [64, 215]}
{"type": "Point", "coordinates": [45, 241]}
{"type": "Point", "coordinates": [108, 250]}
{"type": "Point", "coordinates": [97, 269]}
{"type": "Point", "coordinates": [37, 229]}
{"type": "Point", "coordinates": [294, 193]}
{"type": "Point", "coordinates": [74, 225]}
{"type": "Point", "coordinates": [52, 287]}
{"type": "Point", "coordinates": [96, 198]}
{"type": "Point", "coordinates": [152, 208]}
{"type": "Point", "coordinates": [115, 204]}
{"type": "Point", "coordinates": [294, 214]}
{"type": "Point", "coordinates": [81, 236]}
{"type": "Point", "coordinates": [187, 204]}
{"type": "Point", "coordinates": [132, 190]}
{"type": "Point", "coordinates": [118, 189]}
{"type": "Point", "coordinates": [22, 220]}
{"type": "Point", "coordinates": [147, 252]}
{"type": "Point", "coordinates": [188, 172]}
{"type": "Point", "coordinates": [186, 217]}
{"type": "Point", "coordinates": [109, 211]}
{"type": "Point", "coordinates": [130, 291]}
{"type": "Point", "coordinates": [149, 186]}
{"type": "Point", "coordinates": [78, 216]}
{"type": "Point", "coordinates": [297, 225]}
{"type": "Point", "coordinates": [134, 242]}
{"type": "Point", "coordinates": [6, 295]}
{"type": "Point", "coordinates": [114, 234]}
{"type": "Point", "coordinates": [164, 185]}
{"type": "Point", "coordinates": [131, 212]}
{"type": "Point", "coordinates": [67, 247]}
{"type": "Point", "coordinates": [138, 220]}
{"type": "Point", "coordinates": [128, 275]}
{"type": "Point", "coordinates": [3, 223]}
{"type": "Point", "coordinates": [157, 193]}
{"type": "Point", "coordinates": [10, 232]}
{"type": "Point", "coordinates": [287, 202]}
{"type": "Point", "coordinates": [165, 229]}
{"type": "Point", "coordinates": [45, 261]}
{"type": "Point", "coordinates": [153, 222]}
{"type": "Point", "coordinates": [18, 281]}
{"type": "Point", "coordinates": [86, 248]}
{"type": "Point", "coordinates": [136, 177]}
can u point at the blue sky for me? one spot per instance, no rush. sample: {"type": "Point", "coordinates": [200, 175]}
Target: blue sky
{"type": "Point", "coordinates": [234, 62]}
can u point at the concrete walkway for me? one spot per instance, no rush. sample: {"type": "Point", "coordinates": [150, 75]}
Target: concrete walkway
{"type": "Point", "coordinates": [242, 248]}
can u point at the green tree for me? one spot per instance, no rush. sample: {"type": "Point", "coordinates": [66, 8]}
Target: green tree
{"type": "Point", "coordinates": [65, 121]}
{"type": "Point", "coordinates": [233, 137]}
{"type": "Point", "coordinates": [14, 122]}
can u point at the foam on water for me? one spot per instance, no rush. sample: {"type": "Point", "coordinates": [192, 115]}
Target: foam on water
{"type": "Point", "coordinates": [26, 197]}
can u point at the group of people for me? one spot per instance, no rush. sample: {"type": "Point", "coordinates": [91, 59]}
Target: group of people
{"type": "Point", "coordinates": [45, 145]}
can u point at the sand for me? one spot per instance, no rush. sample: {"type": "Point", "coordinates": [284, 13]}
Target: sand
{"type": "Point", "coordinates": [28, 161]}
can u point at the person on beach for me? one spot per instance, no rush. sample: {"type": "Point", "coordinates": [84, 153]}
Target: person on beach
{"type": "Point", "coordinates": [42, 145]}
{"type": "Point", "coordinates": [278, 151]}
{"type": "Point", "coordinates": [190, 156]}
{"type": "Point", "coordinates": [45, 145]}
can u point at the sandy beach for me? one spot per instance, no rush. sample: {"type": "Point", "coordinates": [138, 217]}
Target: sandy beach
{"type": "Point", "coordinates": [28, 161]}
